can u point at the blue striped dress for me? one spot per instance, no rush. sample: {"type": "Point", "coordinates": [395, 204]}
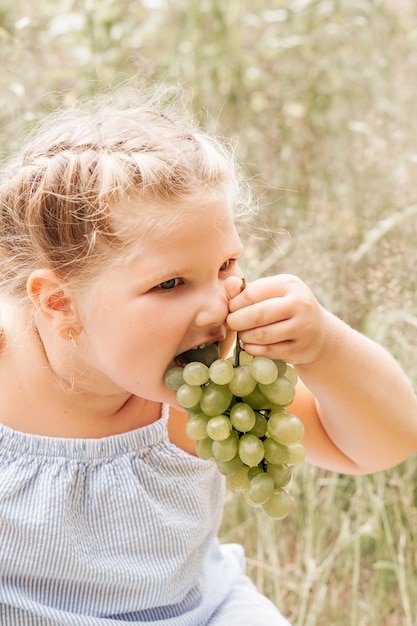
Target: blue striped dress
{"type": "Point", "coordinates": [101, 532]}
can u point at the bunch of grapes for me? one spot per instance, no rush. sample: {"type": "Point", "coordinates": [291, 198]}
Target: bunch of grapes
{"type": "Point", "coordinates": [237, 415]}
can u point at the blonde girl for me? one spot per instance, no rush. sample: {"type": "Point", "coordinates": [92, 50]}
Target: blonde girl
{"type": "Point", "coordinates": [119, 259]}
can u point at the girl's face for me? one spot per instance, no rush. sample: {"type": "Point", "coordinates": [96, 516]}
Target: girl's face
{"type": "Point", "coordinates": [167, 300]}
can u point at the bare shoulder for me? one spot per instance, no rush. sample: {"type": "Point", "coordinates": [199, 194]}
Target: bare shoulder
{"type": "Point", "coordinates": [176, 430]}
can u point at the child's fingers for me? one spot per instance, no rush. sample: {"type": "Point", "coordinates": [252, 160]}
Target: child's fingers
{"type": "Point", "coordinates": [274, 333]}
{"type": "Point", "coordinates": [233, 286]}
{"type": "Point", "coordinates": [261, 289]}
{"type": "Point", "coordinates": [260, 314]}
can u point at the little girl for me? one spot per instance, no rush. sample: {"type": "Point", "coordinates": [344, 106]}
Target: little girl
{"type": "Point", "coordinates": [119, 259]}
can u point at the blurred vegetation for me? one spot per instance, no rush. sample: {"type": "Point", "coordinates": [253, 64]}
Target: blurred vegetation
{"type": "Point", "coordinates": [319, 96]}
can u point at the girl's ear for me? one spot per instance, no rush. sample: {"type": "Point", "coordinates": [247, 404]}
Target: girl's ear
{"type": "Point", "coordinates": [53, 301]}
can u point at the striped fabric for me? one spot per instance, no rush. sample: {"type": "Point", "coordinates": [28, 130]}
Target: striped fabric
{"type": "Point", "coordinates": [101, 532]}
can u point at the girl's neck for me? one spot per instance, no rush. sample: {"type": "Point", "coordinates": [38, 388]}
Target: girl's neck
{"type": "Point", "coordinates": [34, 402]}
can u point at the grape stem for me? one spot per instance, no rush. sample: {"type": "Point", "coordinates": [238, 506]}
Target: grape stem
{"type": "Point", "coordinates": [238, 347]}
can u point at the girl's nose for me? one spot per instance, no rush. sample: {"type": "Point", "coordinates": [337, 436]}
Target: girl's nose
{"type": "Point", "coordinates": [213, 309]}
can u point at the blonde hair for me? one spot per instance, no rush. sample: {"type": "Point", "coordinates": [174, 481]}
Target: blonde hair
{"type": "Point", "coordinates": [59, 200]}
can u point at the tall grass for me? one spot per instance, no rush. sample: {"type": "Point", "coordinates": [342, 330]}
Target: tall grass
{"type": "Point", "coordinates": [319, 97]}
{"type": "Point", "coordinates": [346, 555]}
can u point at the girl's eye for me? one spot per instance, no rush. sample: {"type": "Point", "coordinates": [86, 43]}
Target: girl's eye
{"type": "Point", "coordinates": [226, 265]}
{"type": "Point", "coordinates": [168, 284]}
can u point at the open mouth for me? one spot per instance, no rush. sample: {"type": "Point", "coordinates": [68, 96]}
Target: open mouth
{"type": "Point", "coordinates": [204, 354]}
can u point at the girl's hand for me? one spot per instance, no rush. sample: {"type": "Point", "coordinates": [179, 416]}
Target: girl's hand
{"type": "Point", "coordinates": [277, 317]}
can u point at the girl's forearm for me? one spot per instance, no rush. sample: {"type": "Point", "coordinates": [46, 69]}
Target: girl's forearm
{"type": "Point", "coordinates": [365, 406]}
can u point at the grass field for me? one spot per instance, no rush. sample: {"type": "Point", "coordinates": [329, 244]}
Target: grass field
{"type": "Point", "coordinates": [346, 555]}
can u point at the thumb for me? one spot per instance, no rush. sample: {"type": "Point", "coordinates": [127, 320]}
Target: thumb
{"type": "Point", "coordinates": [233, 286]}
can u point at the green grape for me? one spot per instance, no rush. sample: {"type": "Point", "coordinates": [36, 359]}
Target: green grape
{"type": "Point", "coordinates": [281, 474]}
{"type": "Point", "coordinates": [196, 427]}
{"type": "Point", "coordinates": [275, 452]}
{"type": "Point", "coordinates": [196, 373]}
{"type": "Point", "coordinates": [244, 358]}
{"type": "Point", "coordinates": [281, 391]}
{"type": "Point", "coordinates": [263, 370]}
{"type": "Point", "coordinates": [254, 471]}
{"type": "Point", "coordinates": [242, 417]}
{"type": "Point", "coordinates": [243, 382]}
{"type": "Point", "coordinates": [239, 480]}
{"type": "Point", "coordinates": [285, 427]}
{"type": "Point", "coordinates": [215, 399]}
{"type": "Point", "coordinates": [291, 374]}
{"type": "Point", "coordinates": [282, 366]}
{"type": "Point", "coordinates": [189, 396]}
{"type": "Point", "coordinates": [279, 504]}
{"type": "Point", "coordinates": [204, 449]}
{"type": "Point", "coordinates": [251, 503]}
{"type": "Point", "coordinates": [219, 427]}
{"type": "Point", "coordinates": [251, 450]}
{"type": "Point", "coordinates": [261, 425]}
{"type": "Point", "coordinates": [227, 449]}
{"type": "Point", "coordinates": [296, 453]}
{"type": "Point", "coordinates": [221, 372]}
{"type": "Point", "coordinates": [257, 400]}
{"type": "Point", "coordinates": [174, 378]}
{"type": "Point", "coordinates": [203, 355]}
{"type": "Point", "coordinates": [230, 467]}
{"type": "Point", "coordinates": [261, 488]}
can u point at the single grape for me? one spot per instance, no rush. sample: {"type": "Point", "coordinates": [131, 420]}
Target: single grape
{"type": "Point", "coordinates": [278, 505]}
{"type": "Point", "coordinates": [281, 391]}
{"type": "Point", "coordinates": [296, 453]}
{"type": "Point", "coordinates": [251, 503]}
{"type": "Point", "coordinates": [204, 355]}
{"type": "Point", "coordinates": [261, 488]}
{"type": "Point", "coordinates": [239, 480]}
{"type": "Point", "coordinates": [261, 425]}
{"type": "Point", "coordinates": [257, 400]}
{"type": "Point", "coordinates": [174, 378]}
{"type": "Point", "coordinates": [215, 399]}
{"type": "Point", "coordinates": [244, 358]}
{"type": "Point", "coordinates": [221, 372]}
{"type": "Point", "coordinates": [196, 427]}
{"type": "Point", "coordinates": [285, 427]}
{"type": "Point", "coordinates": [219, 427]}
{"type": "Point", "coordinates": [189, 396]}
{"type": "Point", "coordinates": [254, 471]}
{"type": "Point", "coordinates": [263, 369]}
{"type": "Point", "coordinates": [243, 382]}
{"type": "Point", "coordinates": [291, 374]}
{"type": "Point", "coordinates": [204, 449]}
{"type": "Point", "coordinates": [280, 473]}
{"type": "Point", "coordinates": [251, 450]}
{"type": "Point", "coordinates": [230, 467]}
{"type": "Point", "coordinates": [275, 452]}
{"type": "Point", "coordinates": [227, 449]}
{"type": "Point", "coordinates": [242, 417]}
{"type": "Point", "coordinates": [282, 366]}
{"type": "Point", "coordinates": [196, 373]}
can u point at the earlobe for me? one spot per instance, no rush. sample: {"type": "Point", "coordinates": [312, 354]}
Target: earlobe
{"type": "Point", "coordinates": [52, 300]}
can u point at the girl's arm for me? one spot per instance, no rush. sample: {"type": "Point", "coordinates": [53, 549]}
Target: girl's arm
{"type": "Point", "coordinates": [357, 405]}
